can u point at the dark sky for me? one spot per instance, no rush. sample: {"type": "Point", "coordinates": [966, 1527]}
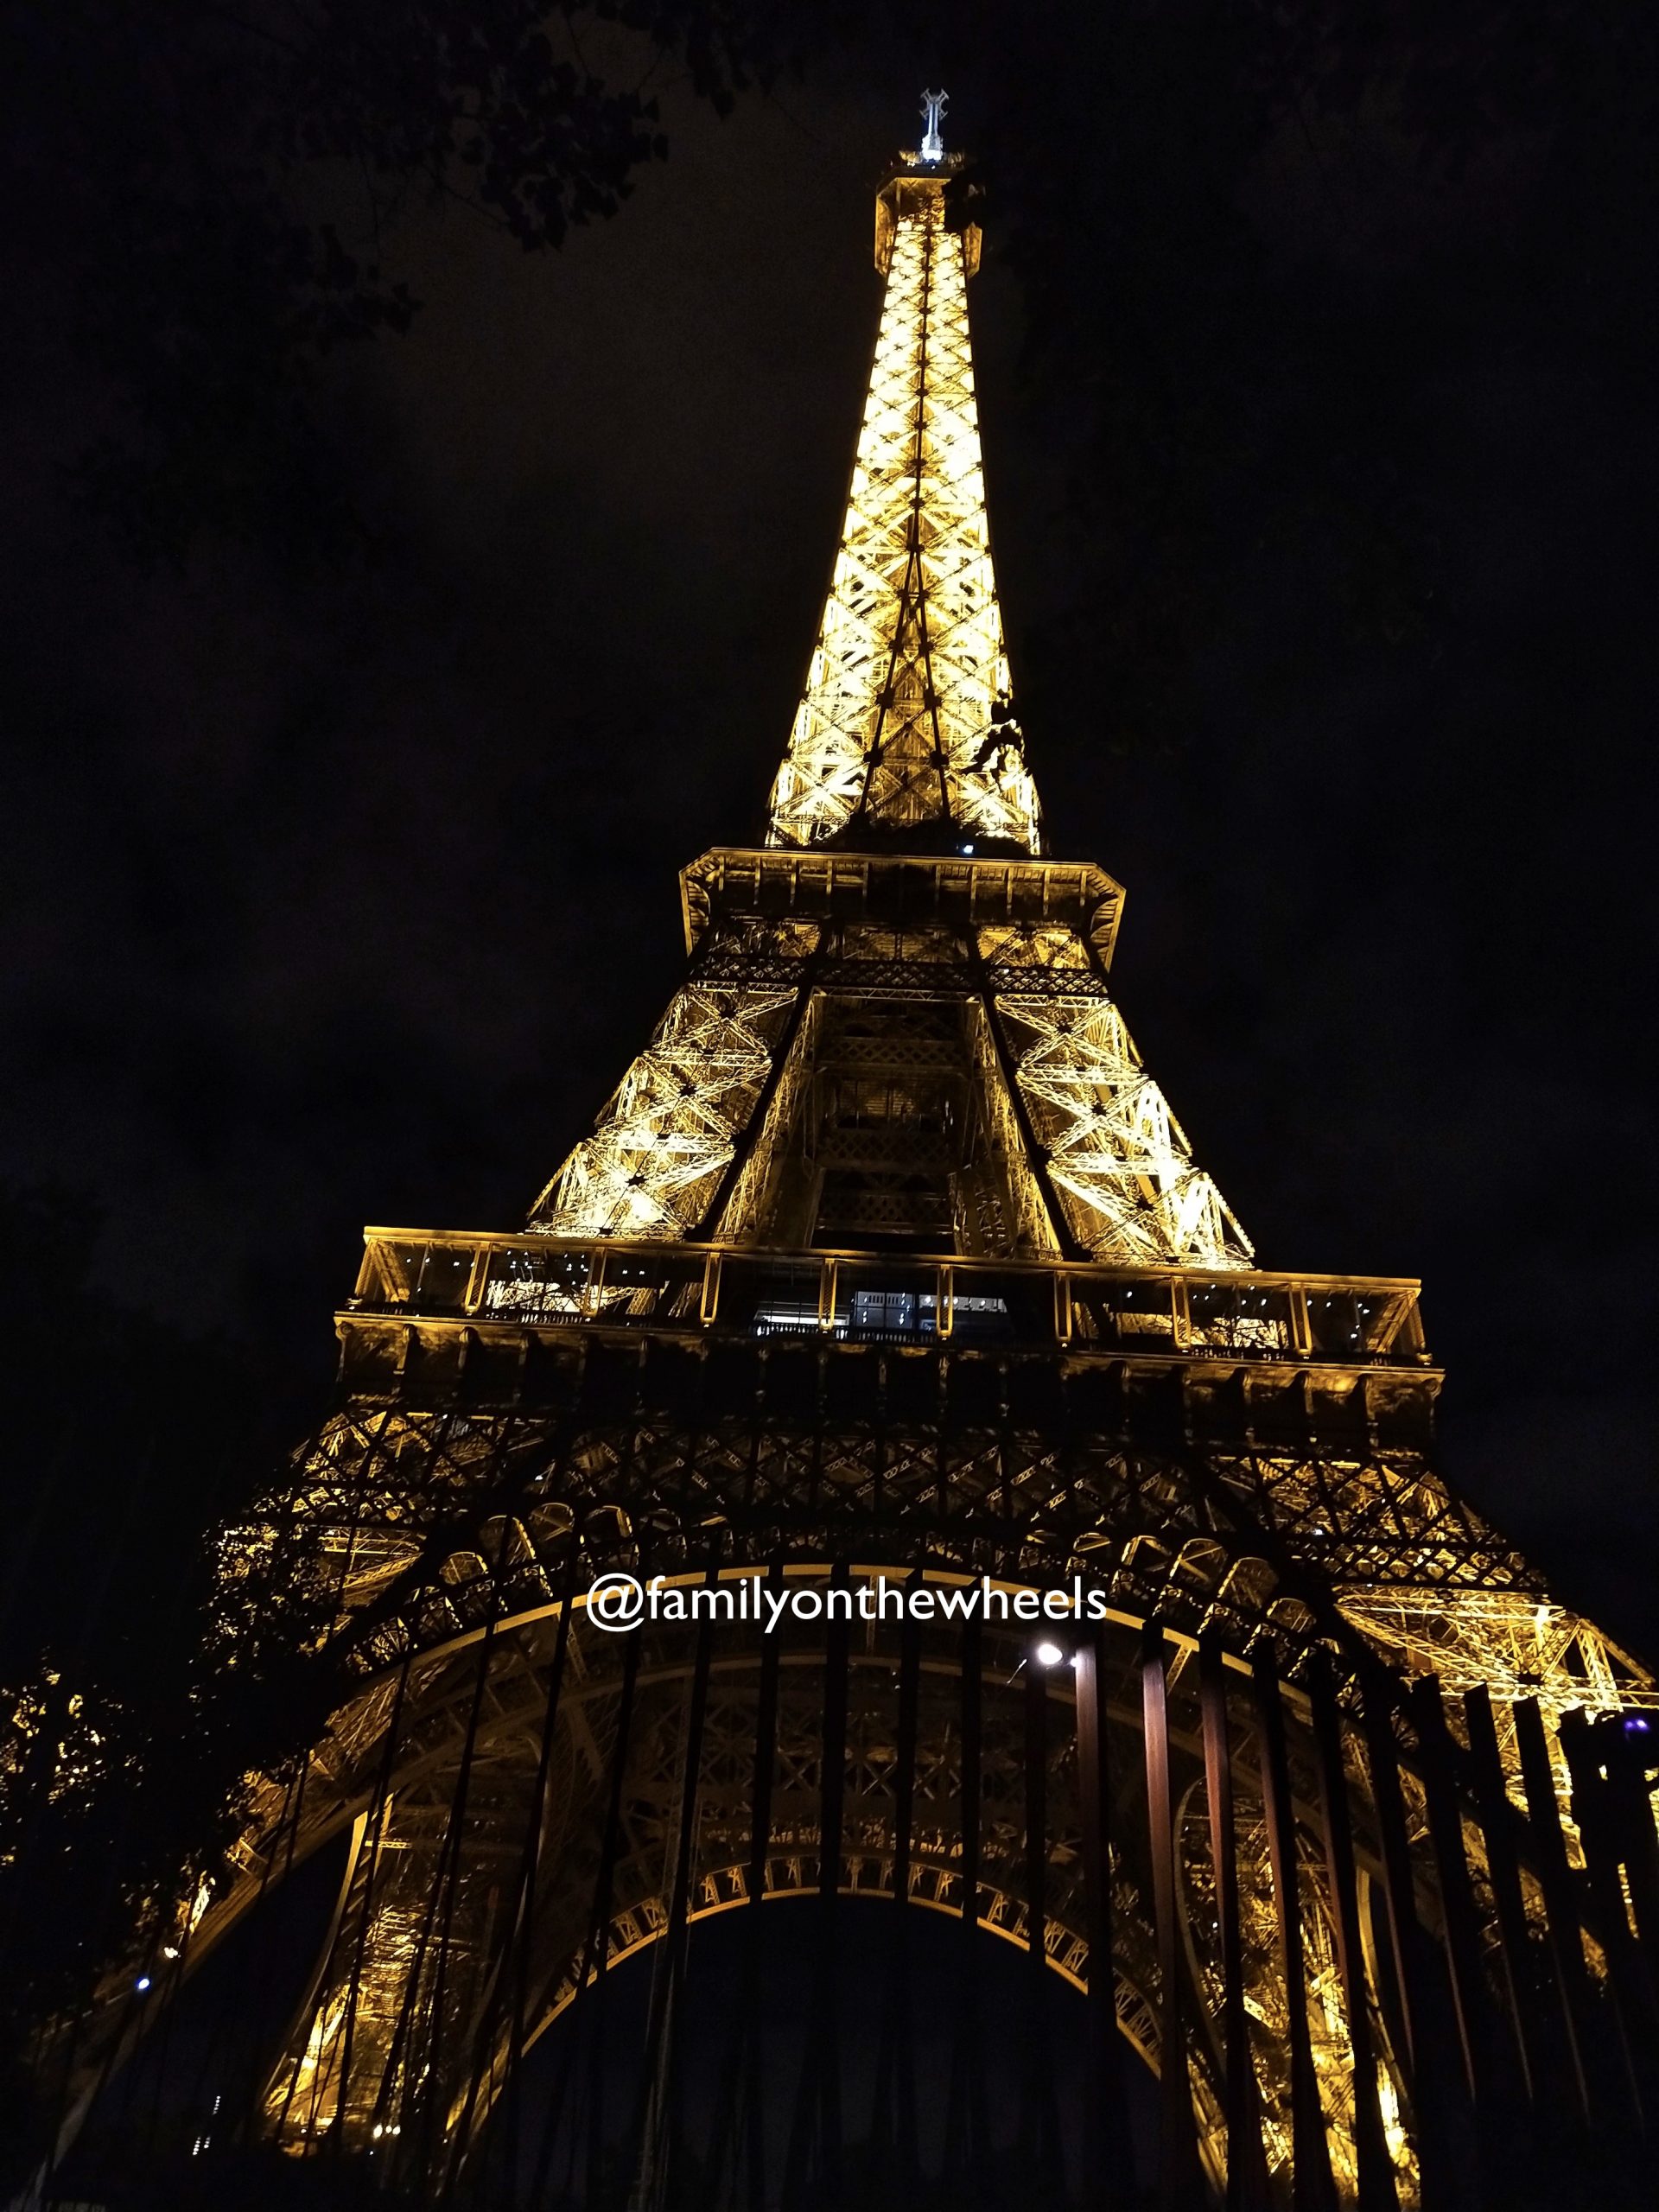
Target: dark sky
{"type": "Point", "coordinates": [346, 898]}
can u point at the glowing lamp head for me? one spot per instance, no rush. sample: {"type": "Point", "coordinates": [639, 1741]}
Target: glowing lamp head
{"type": "Point", "coordinates": [1048, 1654]}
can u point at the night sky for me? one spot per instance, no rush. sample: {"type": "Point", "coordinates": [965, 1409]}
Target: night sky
{"type": "Point", "coordinates": [345, 895]}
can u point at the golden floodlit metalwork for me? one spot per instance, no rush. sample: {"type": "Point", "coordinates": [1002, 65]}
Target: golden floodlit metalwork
{"type": "Point", "coordinates": [906, 719]}
{"type": "Point", "coordinates": [888, 1257]}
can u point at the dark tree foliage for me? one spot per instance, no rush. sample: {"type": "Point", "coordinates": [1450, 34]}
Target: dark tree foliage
{"type": "Point", "coordinates": [194, 166]}
{"type": "Point", "coordinates": [126, 1441]}
{"type": "Point", "coordinates": [1189, 192]}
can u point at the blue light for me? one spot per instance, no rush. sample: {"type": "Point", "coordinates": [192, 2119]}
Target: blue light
{"type": "Point", "coordinates": [142, 1984]}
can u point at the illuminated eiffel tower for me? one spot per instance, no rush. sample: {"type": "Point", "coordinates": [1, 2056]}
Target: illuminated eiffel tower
{"type": "Point", "coordinates": [888, 1256]}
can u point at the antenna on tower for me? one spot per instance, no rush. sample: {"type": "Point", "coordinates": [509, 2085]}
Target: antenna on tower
{"type": "Point", "coordinates": [933, 107]}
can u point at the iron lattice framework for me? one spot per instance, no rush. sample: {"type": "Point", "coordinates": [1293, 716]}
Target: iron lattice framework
{"type": "Point", "coordinates": [888, 1259]}
{"type": "Point", "coordinates": [903, 1043]}
{"type": "Point", "coordinates": [906, 722]}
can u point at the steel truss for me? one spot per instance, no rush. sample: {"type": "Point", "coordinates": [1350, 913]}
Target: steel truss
{"type": "Point", "coordinates": [887, 1256]}
{"type": "Point", "coordinates": [515, 1783]}
{"type": "Point", "coordinates": [1052, 1134]}
{"type": "Point", "coordinates": [905, 721]}
{"type": "Point", "coordinates": [1330, 1934]}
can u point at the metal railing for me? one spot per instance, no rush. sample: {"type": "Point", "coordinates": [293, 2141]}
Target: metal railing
{"type": "Point", "coordinates": [537, 1282]}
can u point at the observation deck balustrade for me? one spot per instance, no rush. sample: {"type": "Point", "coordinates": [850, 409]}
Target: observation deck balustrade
{"type": "Point", "coordinates": [545, 1282]}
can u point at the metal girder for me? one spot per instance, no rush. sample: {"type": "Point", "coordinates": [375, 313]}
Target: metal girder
{"type": "Point", "coordinates": [1061, 1143]}
{"type": "Point", "coordinates": [1198, 1533]}
{"type": "Point", "coordinates": [1116, 1156]}
{"type": "Point", "coordinates": [669, 1132]}
{"type": "Point", "coordinates": [906, 719]}
{"type": "Point", "coordinates": [384, 2034]}
{"type": "Point", "coordinates": [887, 1254]}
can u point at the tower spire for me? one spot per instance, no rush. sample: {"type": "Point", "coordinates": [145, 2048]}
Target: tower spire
{"type": "Point", "coordinates": [906, 731]}
{"type": "Point", "coordinates": [905, 1037]}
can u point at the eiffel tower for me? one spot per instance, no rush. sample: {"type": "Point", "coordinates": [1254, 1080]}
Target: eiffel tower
{"type": "Point", "coordinates": [1127, 1642]}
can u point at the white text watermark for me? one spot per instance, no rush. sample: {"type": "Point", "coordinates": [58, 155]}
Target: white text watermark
{"type": "Point", "coordinates": [619, 1602]}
